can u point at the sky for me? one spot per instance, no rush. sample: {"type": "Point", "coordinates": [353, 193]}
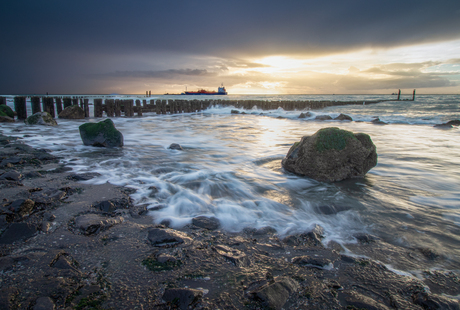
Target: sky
{"type": "Point", "coordinates": [251, 47]}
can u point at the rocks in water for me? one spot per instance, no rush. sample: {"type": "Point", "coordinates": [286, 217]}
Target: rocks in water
{"type": "Point", "coordinates": [6, 119]}
{"type": "Point", "coordinates": [41, 118]}
{"type": "Point", "coordinates": [89, 224]}
{"type": "Point", "coordinates": [429, 253]}
{"type": "Point", "coordinates": [210, 223]}
{"type": "Point", "coordinates": [160, 237]}
{"type": "Point", "coordinates": [274, 294]}
{"type": "Point", "coordinates": [323, 118]}
{"type": "Point", "coordinates": [455, 122]}
{"type": "Point", "coordinates": [6, 111]}
{"type": "Point", "coordinates": [331, 155]}
{"type": "Point", "coordinates": [235, 112]}
{"type": "Point", "coordinates": [305, 115]}
{"type": "Point", "coordinates": [175, 146]}
{"type": "Point", "coordinates": [182, 297]}
{"type": "Point", "coordinates": [377, 121]}
{"type": "Point", "coordinates": [314, 262]}
{"type": "Point", "coordinates": [343, 117]}
{"type": "Point", "coordinates": [103, 134]}
{"type": "Point", "coordinates": [330, 210]}
{"type": "Point", "coordinates": [443, 126]}
{"type": "Point", "coordinates": [72, 112]}
{"type": "Point", "coordinates": [83, 176]}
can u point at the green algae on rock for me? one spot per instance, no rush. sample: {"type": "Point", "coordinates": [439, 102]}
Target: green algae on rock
{"type": "Point", "coordinates": [6, 111]}
{"type": "Point", "coordinates": [41, 118]}
{"type": "Point", "coordinates": [331, 155]}
{"type": "Point", "coordinates": [102, 134]}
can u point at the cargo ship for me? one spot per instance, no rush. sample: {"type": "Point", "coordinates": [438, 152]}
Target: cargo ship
{"type": "Point", "coordinates": [220, 91]}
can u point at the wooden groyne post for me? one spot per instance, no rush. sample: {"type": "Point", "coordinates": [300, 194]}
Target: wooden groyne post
{"type": "Point", "coordinates": [58, 106]}
{"type": "Point", "coordinates": [399, 95]}
{"type": "Point", "coordinates": [20, 107]}
{"type": "Point", "coordinates": [35, 102]}
{"type": "Point", "coordinates": [413, 95]}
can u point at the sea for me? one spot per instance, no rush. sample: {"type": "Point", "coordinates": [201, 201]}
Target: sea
{"type": "Point", "coordinates": [230, 168]}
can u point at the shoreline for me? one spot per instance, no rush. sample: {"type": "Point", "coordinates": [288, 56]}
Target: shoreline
{"type": "Point", "coordinates": [80, 246]}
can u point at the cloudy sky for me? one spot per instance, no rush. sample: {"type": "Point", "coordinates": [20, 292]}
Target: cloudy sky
{"type": "Point", "coordinates": [251, 46]}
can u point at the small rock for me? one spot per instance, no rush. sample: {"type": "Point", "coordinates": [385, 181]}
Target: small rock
{"type": "Point", "coordinates": [11, 176]}
{"type": "Point", "coordinates": [83, 176]}
{"type": "Point", "coordinates": [22, 207]}
{"type": "Point", "coordinates": [106, 206]}
{"type": "Point", "coordinates": [234, 256]}
{"type": "Point", "coordinates": [235, 112]}
{"type": "Point", "coordinates": [182, 297]}
{"type": "Point", "coordinates": [41, 118]}
{"type": "Point", "coordinates": [90, 224]}
{"type": "Point", "coordinates": [6, 119]}
{"type": "Point", "coordinates": [377, 121]}
{"type": "Point", "coordinates": [44, 303]}
{"type": "Point", "coordinates": [166, 237]}
{"type": "Point", "coordinates": [164, 258]}
{"type": "Point", "coordinates": [323, 118]}
{"type": "Point", "coordinates": [72, 112]}
{"type": "Point", "coordinates": [359, 301]}
{"type": "Point", "coordinates": [267, 230]}
{"type": "Point", "coordinates": [305, 115]}
{"type": "Point", "coordinates": [330, 210]}
{"type": "Point", "coordinates": [455, 122]}
{"type": "Point", "coordinates": [175, 146]}
{"type": "Point", "coordinates": [210, 223]}
{"type": "Point", "coordinates": [443, 126]}
{"type": "Point", "coordinates": [343, 117]}
{"type": "Point", "coordinates": [429, 253]}
{"type": "Point", "coordinates": [16, 232]}
{"type": "Point", "coordinates": [275, 295]}
{"type": "Point", "coordinates": [315, 262]}
{"type": "Point", "coordinates": [33, 175]}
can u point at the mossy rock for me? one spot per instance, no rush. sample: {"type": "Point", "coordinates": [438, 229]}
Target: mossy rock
{"type": "Point", "coordinates": [41, 118]}
{"type": "Point", "coordinates": [332, 154]}
{"type": "Point", "coordinates": [332, 138]}
{"type": "Point", "coordinates": [102, 134]}
{"type": "Point", "coordinates": [6, 111]}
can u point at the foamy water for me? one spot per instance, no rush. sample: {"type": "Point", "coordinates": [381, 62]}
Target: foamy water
{"type": "Point", "coordinates": [231, 169]}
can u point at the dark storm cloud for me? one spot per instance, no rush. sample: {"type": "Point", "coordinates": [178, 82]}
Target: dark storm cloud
{"type": "Point", "coordinates": [64, 40]}
{"type": "Point", "coordinates": [165, 74]}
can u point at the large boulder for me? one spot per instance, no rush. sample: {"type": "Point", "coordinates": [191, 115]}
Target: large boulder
{"type": "Point", "coordinates": [101, 134]}
{"type": "Point", "coordinates": [41, 118]}
{"type": "Point", "coordinates": [72, 112]}
{"type": "Point", "coordinates": [331, 155]}
{"type": "Point", "coordinates": [6, 111]}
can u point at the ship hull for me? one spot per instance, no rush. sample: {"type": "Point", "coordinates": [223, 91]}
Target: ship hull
{"type": "Point", "coordinates": [203, 94]}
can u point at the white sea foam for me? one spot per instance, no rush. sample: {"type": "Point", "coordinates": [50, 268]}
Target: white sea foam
{"type": "Point", "coordinates": [230, 168]}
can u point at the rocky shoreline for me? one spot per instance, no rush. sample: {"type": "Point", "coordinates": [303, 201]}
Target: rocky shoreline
{"type": "Point", "coordinates": [65, 244]}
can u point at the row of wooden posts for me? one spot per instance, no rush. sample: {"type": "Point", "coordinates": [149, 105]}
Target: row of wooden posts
{"type": "Point", "coordinates": [115, 107]}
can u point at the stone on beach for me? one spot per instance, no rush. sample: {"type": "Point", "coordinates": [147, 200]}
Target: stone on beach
{"type": "Point", "coordinates": [72, 112]}
{"type": "Point", "coordinates": [175, 146]}
{"type": "Point", "coordinates": [41, 118]}
{"type": "Point", "coordinates": [102, 134]}
{"type": "Point", "coordinates": [210, 223]}
{"type": "Point", "coordinates": [6, 111]}
{"type": "Point", "coordinates": [331, 155]}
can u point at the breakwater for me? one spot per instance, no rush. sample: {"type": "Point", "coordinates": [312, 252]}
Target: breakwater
{"type": "Point", "coordinates": [131, 107]}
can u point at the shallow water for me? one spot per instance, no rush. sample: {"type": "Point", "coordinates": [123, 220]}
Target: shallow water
{"type": "Point", "coordinates": [231, 169]}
